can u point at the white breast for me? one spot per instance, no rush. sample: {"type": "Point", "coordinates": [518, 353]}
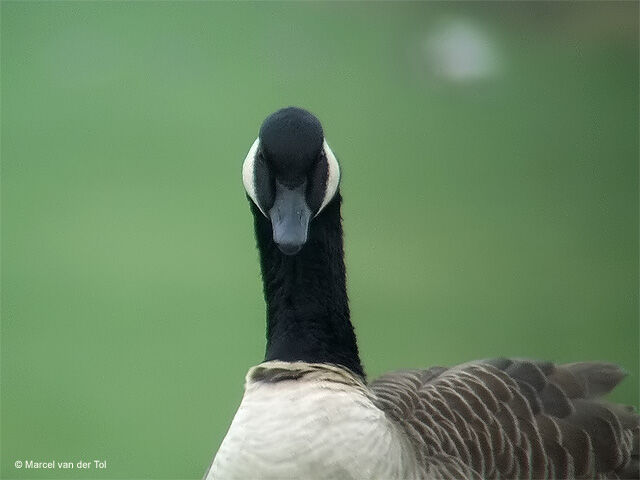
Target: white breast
{"type": "Point", "coordinates": [310, 429]}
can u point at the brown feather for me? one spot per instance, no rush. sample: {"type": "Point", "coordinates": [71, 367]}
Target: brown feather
{"type": "Point", "coordinates": [513, 419]}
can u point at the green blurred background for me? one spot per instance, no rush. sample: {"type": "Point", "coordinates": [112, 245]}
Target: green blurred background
{"type": "Point", "coordinates": [490, 177]}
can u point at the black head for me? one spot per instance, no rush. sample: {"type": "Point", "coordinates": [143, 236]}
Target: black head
{"type": "Point", "coordinates": [291, 174]}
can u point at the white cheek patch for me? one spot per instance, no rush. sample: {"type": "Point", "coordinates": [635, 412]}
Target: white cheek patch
{"type": "Point", "coordinates": [333, 176]}
{"type": "Point", "coordinates": [248, 174]}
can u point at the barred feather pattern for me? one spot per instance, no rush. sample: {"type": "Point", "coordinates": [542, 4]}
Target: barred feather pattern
{"type": "Point", "coordinates": [513, 419]}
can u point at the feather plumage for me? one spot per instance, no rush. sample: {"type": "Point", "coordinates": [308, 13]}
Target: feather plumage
{"type": "Point", "coordinates": [513, 419]}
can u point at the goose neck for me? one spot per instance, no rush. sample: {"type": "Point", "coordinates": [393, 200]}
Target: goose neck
{"type": "Point", "coordinates": [307, 306]}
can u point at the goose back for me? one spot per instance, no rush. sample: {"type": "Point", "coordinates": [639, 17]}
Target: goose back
{"type": "Point", "coordinates": [513, 419]}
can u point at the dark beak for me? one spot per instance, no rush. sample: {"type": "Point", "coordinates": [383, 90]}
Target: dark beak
{"type": "Point", "coordinates": [290, 218]}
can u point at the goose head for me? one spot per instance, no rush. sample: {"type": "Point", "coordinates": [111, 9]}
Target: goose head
{"type": "Point", "coordinates": [291, 174]}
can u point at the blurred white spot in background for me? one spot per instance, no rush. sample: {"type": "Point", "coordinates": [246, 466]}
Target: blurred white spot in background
{"type": "Point", "coordinates": [460, 51]}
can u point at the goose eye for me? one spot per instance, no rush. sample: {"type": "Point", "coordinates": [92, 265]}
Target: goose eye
{"type": "Point", "coordinates": [316, 184]}
{"type": "Point", "coordinates": [264, 182]}
{"type": "Point", "coordinates": [257, 179]}
{"type": "Point", "coordinates": [332, 178]}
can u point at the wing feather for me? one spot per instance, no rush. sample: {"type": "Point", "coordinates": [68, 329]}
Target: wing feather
{"type": "Point", "coordinates": [514, 419]}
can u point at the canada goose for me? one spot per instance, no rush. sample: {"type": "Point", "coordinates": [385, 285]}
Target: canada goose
{"type": "Point", "coordinates": [308, 412]}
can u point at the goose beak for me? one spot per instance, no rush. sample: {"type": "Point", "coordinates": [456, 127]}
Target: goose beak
{"type": "Point", "coordinates": [290, 218]}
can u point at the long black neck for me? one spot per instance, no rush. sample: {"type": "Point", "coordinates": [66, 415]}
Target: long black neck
{"type": "Point", "coordinates": [306, 295]}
